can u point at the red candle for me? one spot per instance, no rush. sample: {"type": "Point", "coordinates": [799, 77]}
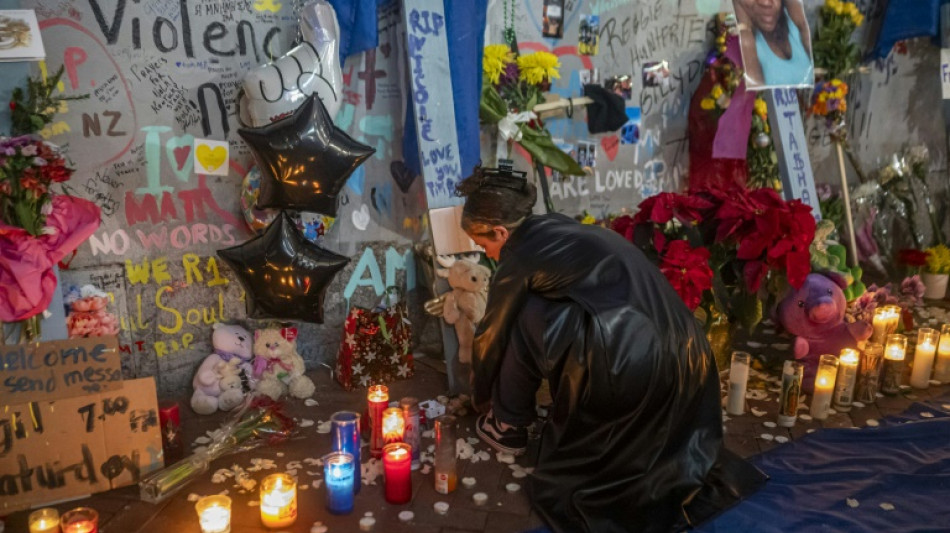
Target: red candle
{"type": "Point", "coordinates": [397, 464]}
{"type": "Point", "coordinates": [377, 400]}
{"type": "Point", "coordinates": [394, 425]}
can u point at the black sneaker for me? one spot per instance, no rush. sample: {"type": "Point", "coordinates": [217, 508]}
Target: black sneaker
{"type": "Point", "coordinates": [512, 440]}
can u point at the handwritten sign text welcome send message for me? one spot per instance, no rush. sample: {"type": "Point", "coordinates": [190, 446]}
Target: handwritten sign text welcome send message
{"type": "Point", "coordinates": [60, 369]}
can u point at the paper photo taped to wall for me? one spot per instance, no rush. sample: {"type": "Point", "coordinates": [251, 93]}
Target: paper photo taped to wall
{"type": "Point", "coordinates": [553, 23]}
{"type": "Point", "coordinates": [775, 42]}
{"type": "Point", "coordinates": [588, 39]}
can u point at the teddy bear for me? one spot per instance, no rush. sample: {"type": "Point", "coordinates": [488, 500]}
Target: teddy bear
{"type": "Point", "coordinates": [815, 315]}
{"type": "Point", "coordinates": [464, 305]}
{"type": "Point", "coordinates": [277, 364]}
{"type": "Point", "coordinates": [232, 347]}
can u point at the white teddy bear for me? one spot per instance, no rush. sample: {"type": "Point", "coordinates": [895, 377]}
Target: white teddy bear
{"type": "Point", "coordinates": [232, 347]}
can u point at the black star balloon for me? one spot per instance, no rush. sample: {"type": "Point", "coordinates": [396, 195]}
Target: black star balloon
{"type": "Point", "coordinates": [304, 159]}
{"type": "Point", "coordinates": [283, 274]}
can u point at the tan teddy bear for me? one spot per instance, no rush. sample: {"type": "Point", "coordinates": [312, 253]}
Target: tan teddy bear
{"type": "Point", "coordinates": [465, 305]}
{"type": "Point", "coordinates": [278, 366]}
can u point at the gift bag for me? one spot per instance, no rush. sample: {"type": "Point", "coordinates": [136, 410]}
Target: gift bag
{"type": "Point", "coordinates": [376, 345]}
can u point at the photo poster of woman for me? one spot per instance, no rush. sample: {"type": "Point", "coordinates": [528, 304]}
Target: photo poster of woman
{"type": "Point", "coordinates": [775, 42]}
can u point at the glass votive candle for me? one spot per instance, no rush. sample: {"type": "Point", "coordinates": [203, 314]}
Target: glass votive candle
{"type": "Point", "coordinates": [846, 381]}
{"type": "Point", "coordinates": [44, 521]}
{"type": "Point", "coordinates": [214, 514]}
{"type": "Point", "coordinates": [278, 501]}
{"type": "Point", "coordinates": [884, 322]}
{"type": "Point", "coordinates": [893, 370]}
{"type": "Point", "coordinates": [413, 433]}
{"type": "Point", "coordinates": [80, 520]}
{"type": "Point", "coordinates": [924, 353]}
{"type": "Point", "coordinates": [338, 475]}
{"type": "Point", "coordinates": [397, 467]}
{"type": "Point", "coordinates": [377, 399]}
{"type": "Point", "coordinates": [869, 378]}
{"type": "Point", "coordinates": [942, 366]}
{"type": "Point", "coordinates": [824, 386]}
{"type": "Point", "coordinates": [738, 381]}
{"type": "Point", "coordinates": [394, 425]}
{"type": "Point", "coordinates": [345, 437]}
{"type": "Point", "coordinates": [792, 373]}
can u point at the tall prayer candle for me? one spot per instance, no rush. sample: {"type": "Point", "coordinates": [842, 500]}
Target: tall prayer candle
{"type": "Point", "coordinates": [924, 357]}
{"type": "Point", "coordinates": [397, 465]}
{"type": "Point", "coordinates": [942, 368]}
{"type": "Point", "coordinates": [791, 390]}
{"type": "Point", "coordinates": [413, 435]}
{"type": "Point", "coordinates": [214, 514]}
{"type": "Point", "coordinates": [394, 425]}
{"type": "Point", "coordinates": [345, 437]}
{"type": "Point", "coordinates": [738, 380]}
{"type": "Point", "coordinates": [278, 501]}
{"type": "Point", "coordinates": [377, 400]}
{"type": "Point", "coordinates": [893, 364]}
{"type": "Point", "coordinates": [869, 382]}
{"type": "Point", "coordinates": [824, 386]}
{"type": "Point", "coordinates": [446, 471]}
{"type": "Point", "coordinates": [44, 521]}
{"type": "Point", "coordinates": [845, 382]}
{"type": "Point", "coordinates": [80, 520]}
{"type": "Point", "coordinates": [338, 474]}
{"type": "Point", "coordinates": [885, 322]}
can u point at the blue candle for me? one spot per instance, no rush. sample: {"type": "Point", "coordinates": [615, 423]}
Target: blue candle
{"type": "Point", "coordinates": [345, 434]}
{"type": "Point", "coordinates": [338, 476]}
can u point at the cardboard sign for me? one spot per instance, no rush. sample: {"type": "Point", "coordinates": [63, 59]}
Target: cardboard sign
{"type": "Point", "coordinates": [792, 148]}
{"type": "Point", "coordinates": [51, 451]}
{"type": "Point", "coordinates": [60, 369]}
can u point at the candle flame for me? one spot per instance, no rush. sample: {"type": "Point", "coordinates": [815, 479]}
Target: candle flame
{"type": "Point", "coordinates": [378, 393]}
{"type": "Point", "coordinates": [398, 453]}
{"type": "Point", "coordinates": [849, 356]}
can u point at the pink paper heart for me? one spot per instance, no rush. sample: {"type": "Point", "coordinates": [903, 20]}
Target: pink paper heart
{"type": "Point", "coordinates": [610, 145]}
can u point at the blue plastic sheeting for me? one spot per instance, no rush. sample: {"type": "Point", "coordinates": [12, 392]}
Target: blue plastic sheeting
{"type": "Point", "coordinates": [905, 462]}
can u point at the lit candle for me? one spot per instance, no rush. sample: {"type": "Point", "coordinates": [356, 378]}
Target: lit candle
{"type": "Point", "coordinates": [845, 382]}
{"type": "Point", "coordinates": [278, 501]}
{"type": "Point", "coordinates": [338, 472]}
{"type": "Point", "coordinates": [942, 368]}
{"type": "Point", "coordinates": [397, 465]}
{"type": "Point", "coordinates": [893, 364]}
{"type": "Point", "coordinates": [824, 386]}
{"type": "Point", "coordinates": [924, 357]}
{"type": "Point", "coordinates": [394, 425]}
{"type": "Point", "coordinates": [44, 521]}
{"type": "Point", "coordinates": [738, 380]}
{"type": "Point", "coordinates": [885, 321]}
{"type": "Point", "coordinates": [80, 520]}
{"type": "Point", "coordinates": [214, 514]}
{"type": "Point", "coordinates": [377, 400]}
{"type": "Point", "coordinates": [791, 389]}
{"type": "Point", "coordinates": [345, 437]}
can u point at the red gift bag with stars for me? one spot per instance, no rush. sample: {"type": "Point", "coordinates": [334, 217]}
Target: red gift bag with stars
{"type": "Point", "coordinates": [375, 347]}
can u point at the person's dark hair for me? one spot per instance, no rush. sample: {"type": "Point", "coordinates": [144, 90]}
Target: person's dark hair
{"type": "Point", "coordinates": [495, 197]}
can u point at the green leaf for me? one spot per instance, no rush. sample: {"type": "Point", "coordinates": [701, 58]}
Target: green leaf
{"type": "Point", "coordinates": [544, 151]}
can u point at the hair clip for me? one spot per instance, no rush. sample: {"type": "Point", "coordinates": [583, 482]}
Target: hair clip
{"type": "Point", "coordinates": [504, 177]}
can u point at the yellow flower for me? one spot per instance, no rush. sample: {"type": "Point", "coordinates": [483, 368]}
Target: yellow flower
{"type": "Point", "coordinates": [494, 60]}
{"type": "Point", "coordinates": [858, 19]}
{"type": "Point", "coordinates": [707, 103]}
{"type": "Point", "coordinates": [539, 66]}
{"type": "Point", "coordinates": [716, 91]}
{"type": "Point", "coordinates": [761, 109]}
{"type": "Point", "coordinates": [588, 219]}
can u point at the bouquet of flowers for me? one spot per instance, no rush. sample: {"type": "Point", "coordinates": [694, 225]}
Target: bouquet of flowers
{"type": "Point", "coordinates": [37, 227]}
{"type": "Point", "coordinates": [938, 259]}
{"type": "Point", "coordinates": [513, 85]}
{"type": "Point", "coordinates": [727, 251]}
{"type": "Point", "coordinates": [260, 421]}
{"type": "Point", "coordinates": [833, 50]}
{"type": "Point", "coordinates": [828, 101]}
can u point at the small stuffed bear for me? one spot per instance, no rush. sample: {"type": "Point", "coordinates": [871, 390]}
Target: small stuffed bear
{"type": "Point", "coordinates": [231, 343]}
{"type": "Point", "coordinates": [465, 305]}
{"type": "Point", "coordinates": [230, 373]}
{"type": "Point", "coordinates": [815, 315]}
{"type": "Point", "coordinates": [278, 365]}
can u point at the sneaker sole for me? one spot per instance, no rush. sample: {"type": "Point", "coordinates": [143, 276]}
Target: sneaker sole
{"type": "Point", "coordinates": [491, 442]}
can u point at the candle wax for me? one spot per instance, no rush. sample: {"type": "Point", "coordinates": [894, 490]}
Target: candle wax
{"type": "Point", "coordinates": [215, 519]}
{"type": "Point", "coordinates": [923, 365]}
{"type": "Point", "coordinates": [279, 507]}
{"type": "Point", "coordinates": [821, 399]}
{"type": "Point", "coordinates": [397, 466]}
{"type": "Point", "coordinates": [738, 382]}
{"type": "Point", "coordinates": [45, 525]}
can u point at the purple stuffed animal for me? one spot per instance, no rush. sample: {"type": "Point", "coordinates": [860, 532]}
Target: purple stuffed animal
{"type": "Point", "coordinates": [815, 315]}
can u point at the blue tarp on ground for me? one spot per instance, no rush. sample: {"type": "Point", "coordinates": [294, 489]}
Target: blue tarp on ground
{"type": "Point", "coordinates": [905, 463]}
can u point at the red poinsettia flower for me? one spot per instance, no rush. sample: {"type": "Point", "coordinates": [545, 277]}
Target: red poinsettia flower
{"type": "Point", "coordinates": [624, 225]}
{"type": "Point", "coordinates": [657, 209]}
{"type": "Point", "coordinates": [912, 258]}
{"type": "Point", "coordinates": [687, 270]}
